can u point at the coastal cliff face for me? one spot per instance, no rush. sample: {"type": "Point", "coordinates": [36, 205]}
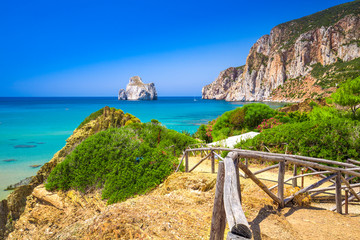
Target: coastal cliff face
{"type": "Point", "coordinates": [15, 204]}
{"type": "Point", "coordinates": [137, 90]}
{"type": "Point", "coordinates": [280, 66]}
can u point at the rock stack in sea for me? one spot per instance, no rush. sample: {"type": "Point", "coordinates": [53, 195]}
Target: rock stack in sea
{"type": "Point", "coordinates": [137, 90]}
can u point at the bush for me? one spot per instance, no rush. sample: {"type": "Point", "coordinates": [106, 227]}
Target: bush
{"type": "Point", "coordinates": [269, 123]}
{"type": "Point", "coordinates": [235, 122]}
{"type": "Point", "coordinates": [256, 113]}
{"type": "Point", "coordinates": [324, 114]}
{"type": "Point", "coordinates": [237, 118]}
{"type": "Point", "coordinates": [124, 162]}
{"type": "Point", "coordinates": [335, 139]}
{"type": "Point", "coordinates": [348, 95]}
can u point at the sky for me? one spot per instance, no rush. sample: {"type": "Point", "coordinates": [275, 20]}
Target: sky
{"type": "Point", "coordinates": [92, 48]}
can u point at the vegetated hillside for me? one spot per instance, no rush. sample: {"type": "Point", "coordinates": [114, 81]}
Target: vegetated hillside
{"type": "Point", "coordinates": [326, 128]}
{"type": "Point", "coordinates": [250, 117]}
{"type": "Point", "coordinates": [103, 152]}
{"type": "Point", "coordinates": [123, 162]}
{"type": "Point", "coordinates": [303, 58]}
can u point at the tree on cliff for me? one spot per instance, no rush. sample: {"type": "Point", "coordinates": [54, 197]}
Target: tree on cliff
{"type": "Point", "coordinates": [348, 95]}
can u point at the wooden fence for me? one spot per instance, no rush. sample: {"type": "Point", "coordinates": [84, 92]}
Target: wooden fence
{"type": "Point", "coordinates": [227, 203]}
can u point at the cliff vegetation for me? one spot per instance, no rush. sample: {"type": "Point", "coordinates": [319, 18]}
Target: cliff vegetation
{"type": "Point", "coordinates": [124, 162]}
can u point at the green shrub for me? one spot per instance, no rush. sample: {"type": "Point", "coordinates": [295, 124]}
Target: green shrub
{"type": "Point", "coordinates": [236, 121]}
{"type": "Point", "coordinates": [312, 104]}
{"type": "Point", "coordinates": [256, 113]}
{"type": "Point", "coordinates": [124, 162]}
{"type": "Point", "coordinates": [204, 134]}
{"type": "Point", "coordinates": [335, 139]}
{"type": "Point", "coordinates": [348, 95]}
{"type": "Point", "coordinates": [324, 114]}
{"type": "Point", "coordinates": [237, 118]}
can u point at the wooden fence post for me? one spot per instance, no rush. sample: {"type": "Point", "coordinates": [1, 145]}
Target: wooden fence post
{"type": "Point", "coordinates": [238, 225]}
{"type": "Point", "coordinates": [218, 221]}
{"type": "Point", "coordinates": [294, 181]}
{"type": "Point", "coordinates": [338, 192]}
{"type": "Point", "coordinates": [281, 182]}
{"type": "Point", "coordinates": [212, 157]}
{"type": "Point", "coordinates": [246, 165]}
{"type": "Point", "coordinates": [302, 178]}
{"type": "Point", "coordinates": [186, 161]}
{"type": "Point", "coordinates": [346, 201]}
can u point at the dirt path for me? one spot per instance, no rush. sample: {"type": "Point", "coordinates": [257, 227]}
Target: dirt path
{"type": "Point", "coordinates": [312, 222]}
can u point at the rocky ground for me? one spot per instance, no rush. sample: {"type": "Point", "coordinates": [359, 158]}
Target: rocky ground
{"type": "Point", "coordinates": [180, 208]}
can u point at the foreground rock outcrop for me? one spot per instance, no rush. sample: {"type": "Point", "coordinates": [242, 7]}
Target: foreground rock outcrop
{"type": "Point", "coordinates": [137, 90]}
{"type": "Point", "coordinates": [15, 204]}
{"type": "Point", "coordinates": [287, 65]}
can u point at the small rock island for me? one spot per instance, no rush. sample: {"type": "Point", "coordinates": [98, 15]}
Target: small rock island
{"type": "Point", "coordinates": [137, 90]}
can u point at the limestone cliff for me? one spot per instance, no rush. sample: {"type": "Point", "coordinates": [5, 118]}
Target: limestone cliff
{"type": "Point", "coordinates": [285, 65]}
{"type": "Point", "coordinates": [137, 90]}
{"type": "Point", "coordinates": [14, 205]}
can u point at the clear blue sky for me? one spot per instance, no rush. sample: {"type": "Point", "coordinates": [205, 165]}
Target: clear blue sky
{"type": "Point", "coordinates": [92, 48]}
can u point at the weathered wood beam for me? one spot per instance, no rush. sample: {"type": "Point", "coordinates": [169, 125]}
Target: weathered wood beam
{"type": "Point", "coordinates": [294, 180]}
{"type": "Point", "coordinates": [218, 221]}
{"type": "Point", "coordinates": [322, 181]}
{"type": "Point", "coordinates": [177, 169]}
{"type": "Point", "coordinates": [212, 157]}
{"type": "Point", "coordinates": [299, 176]}
{"type": "Point", "coordinates": [235, 216]}
{"type": "Point", "coordinates": [236, 163]}
{"type": "Point", "coordinates": [354, 161]}
{"type": "Point", "coordinates": [186, 161]}
{"type": "Point", "coordinates": [311, 159]}
{"type": "Point", "coordinates": [321, 175]}
{"type": "Point", "coordinates": [218, 155]}
{"type": "Point", "coordinates": [281, 176]}
{"type": "Point", "coordinates": [258, 182]}
{"type": "Point", "coordinates": [343, 202]}
{"type": "Point", "coordinates": [332, 185]}
{"type": "Point", "coordinates": [247, 165]}
{"type": "Point", "coordinates": [350, 188]}
{"type": "Point", "coordinates": [266, 169]}
{"type": "Point", "coordinates": [203, 159]}
{"type": "Point", "coordinates": [333, 188]}
{"type": "Point", "coordinates": [346, 202]}
{"type": "Point", "coordinates": [338, 199]}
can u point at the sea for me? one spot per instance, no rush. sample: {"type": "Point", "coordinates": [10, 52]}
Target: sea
{"type": "Point", "coordinates": [33, 129]}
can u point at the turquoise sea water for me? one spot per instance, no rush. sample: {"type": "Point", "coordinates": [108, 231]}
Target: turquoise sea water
{"type": "Point", "coordinates": [32, 130]}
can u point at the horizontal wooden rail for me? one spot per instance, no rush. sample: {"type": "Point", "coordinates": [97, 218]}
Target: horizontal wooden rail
{"type": "Point", "coordinates": [266, 169]}
{"type": "Point", "coordinates": [333, 188]}
{"type": "Point", "coordinates": [354, 161]}
{"type": "Point", "coordinates": [260, 154]}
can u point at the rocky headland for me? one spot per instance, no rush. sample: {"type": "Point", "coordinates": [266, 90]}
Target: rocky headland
{"type": "Point", "coordinates": [137, 90]}
{"type": "Point", "coordinates": [303, 58]}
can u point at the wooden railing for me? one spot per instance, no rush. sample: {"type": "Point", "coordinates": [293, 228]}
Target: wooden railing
{"type": "Point", "coordinates": [227, 203]}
